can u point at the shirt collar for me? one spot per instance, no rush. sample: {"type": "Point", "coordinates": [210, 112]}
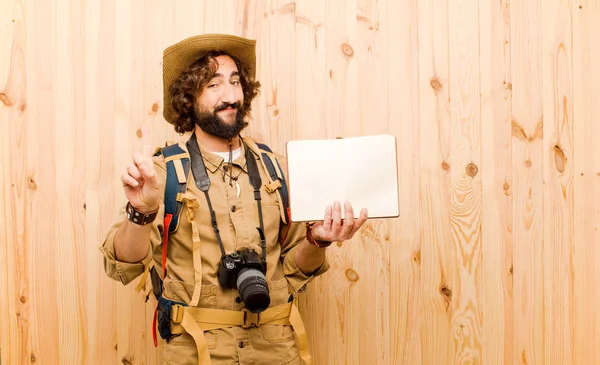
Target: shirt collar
{"type": "Point", "coordinates": [214, 162]}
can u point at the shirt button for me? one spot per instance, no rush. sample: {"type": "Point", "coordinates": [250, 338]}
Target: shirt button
{"type": "Point", "coordinates": [238, 300]}
{"type": "Point", "coordinates": [241, 344]}
{"type": "Point", "coordinates": [233, 208]}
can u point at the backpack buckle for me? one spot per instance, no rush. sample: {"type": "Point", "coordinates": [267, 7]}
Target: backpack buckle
{"type": "Point", "coordinates": [251, 320]}
{"type": "Point", "coordinates": [272, 186]}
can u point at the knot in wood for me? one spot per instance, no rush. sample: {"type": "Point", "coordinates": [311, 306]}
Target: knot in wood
{"type": "Point", "coordinates": [472, 169]}
{"type": "Point", "coordinates": [435, 83]}
{"type": "Point", "coordinates": [352, 275]}
{"type": "Point", "coordinates": [31, 184]}
{"type": "Point", "coordinates": [347, 50]}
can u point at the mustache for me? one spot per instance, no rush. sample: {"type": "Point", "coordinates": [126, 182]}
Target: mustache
{"type": "Point", "coordinates": [224, 106]}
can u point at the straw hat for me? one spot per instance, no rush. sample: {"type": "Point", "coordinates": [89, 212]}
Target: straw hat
{"type": "Point", "coordinates": [180, 56]}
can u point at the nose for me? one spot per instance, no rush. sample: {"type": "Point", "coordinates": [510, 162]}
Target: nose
{"type": "Point", "coordinates": [229, 94]}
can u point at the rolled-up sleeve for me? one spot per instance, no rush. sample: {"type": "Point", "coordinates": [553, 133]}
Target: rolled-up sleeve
{"type": "Point", "coordinates": [125, 272]}
{"type": "Point", "coordinates": [295, 277]}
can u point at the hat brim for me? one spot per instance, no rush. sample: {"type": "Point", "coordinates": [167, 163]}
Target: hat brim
{"type": "Point", "coordinates": [178, 57]}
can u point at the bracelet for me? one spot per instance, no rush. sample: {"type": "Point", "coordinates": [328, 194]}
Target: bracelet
{"type": "Point", "coordinates": [311, 239]}
{"type": "Point", "coordinates": [138, 217]}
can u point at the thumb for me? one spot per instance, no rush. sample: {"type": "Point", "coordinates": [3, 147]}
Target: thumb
{"type": "Point", "coordinates": [149, 175]}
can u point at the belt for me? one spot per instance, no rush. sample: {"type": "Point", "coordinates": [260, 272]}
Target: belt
{"type": "Point", "coordinates": [195, 321]}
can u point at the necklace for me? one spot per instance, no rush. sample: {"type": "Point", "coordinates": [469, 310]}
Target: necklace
{"type": "Point", "coordinates": [223, 167]}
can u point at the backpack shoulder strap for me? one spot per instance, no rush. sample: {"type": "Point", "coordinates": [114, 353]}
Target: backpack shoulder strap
{"type": "Point", "coordinates": [177, 162]}
{"type": "Point", "coordinates": [278, 182]}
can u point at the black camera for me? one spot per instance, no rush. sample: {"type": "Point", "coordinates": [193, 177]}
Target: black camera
{"type": "Point", "coordinates": [246, 271]}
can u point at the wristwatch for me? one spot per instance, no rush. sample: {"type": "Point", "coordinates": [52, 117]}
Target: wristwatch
{"type": "Point", "coordinates": [311, 239]}
{"type": "Point", "coordinates": [139, 217]}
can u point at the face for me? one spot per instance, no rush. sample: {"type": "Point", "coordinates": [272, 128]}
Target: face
{"type": "Point", "coordinates": [219, 108]}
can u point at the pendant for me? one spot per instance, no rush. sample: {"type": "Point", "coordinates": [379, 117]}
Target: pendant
{"type": "Point", "coordinates": [237, 186]}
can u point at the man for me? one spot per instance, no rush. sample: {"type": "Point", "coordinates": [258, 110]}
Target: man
{"type": "Point", "coordinates": [206, 313]}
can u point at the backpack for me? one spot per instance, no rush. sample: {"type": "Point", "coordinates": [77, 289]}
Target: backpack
{"type": "Point", "coordinates": [178, 166]}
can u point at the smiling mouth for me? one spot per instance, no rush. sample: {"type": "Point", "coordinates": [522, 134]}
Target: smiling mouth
{"type": "Point", "coordinates": [228, 109]}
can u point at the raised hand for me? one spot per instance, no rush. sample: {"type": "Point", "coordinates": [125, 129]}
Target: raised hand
{"type": "Point", "coordinates": [334, 228]}
{"type": "Point", "coordinates": [140, 183]}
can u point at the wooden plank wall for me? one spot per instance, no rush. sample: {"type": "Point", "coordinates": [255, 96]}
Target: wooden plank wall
{"type": "Point", "coordinates": [495, 104]}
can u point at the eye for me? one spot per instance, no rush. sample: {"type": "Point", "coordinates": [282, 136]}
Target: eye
{"type": "Point", "coordinates": [236, 82]}
{"type": "Point", "coordinates": [212, 85]}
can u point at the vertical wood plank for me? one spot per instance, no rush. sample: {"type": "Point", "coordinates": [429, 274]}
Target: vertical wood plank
{"type": "Point", "coordinates": [219, 16]}
{"type": "Point", "coordinates": [558, 181]}
{"type": "Point", "coordinates": [404, 244]}
{"type": "Point", "coordinates": [249, 16]}
{"type": "Point", "coordinates": [100, 176]}
{"type": "Point", "coordinates": [528, 224]}
{"type": "Point", "coordinates": [342, 85]}
{"type": "Point", "coordinates": [310, 122]}
{"type": "Point", "coordinates": [175, 26]}
{"type": "Point", "coordinates": [311, 73]}
{"type": "Point", "coordinates": [465, 152]}
{"type": "Point", "coordinates": [342, 121]}
{"type": "Point", "coordinates": [437, 252]}
{"type": "Point", "coordinates": [15, 309]}
{"type": "Point", "coordinates": [42, 183]}
{"type": "Point", "coordinates": [128, 117]}
{"type": "Point", "coordinates": [274, 114]}
{"type": "Point", "coordinates": [69, 100]}
{"type": "Point", "coordinates": [496, 160]}
{"type": "Point", "coordinates": [371, 249]}
{"type": "Point", "coordinates": [251, 20]}
{"type": "Point", "coordinates": [586, 252]}
{"type": "Point", "coordinates": [189, 16]}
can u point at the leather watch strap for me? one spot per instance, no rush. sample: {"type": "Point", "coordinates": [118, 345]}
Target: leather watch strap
{"type": "Point", "coordinates": [311, 239]}
{"type": "Point", "coordinates": [138, 217]}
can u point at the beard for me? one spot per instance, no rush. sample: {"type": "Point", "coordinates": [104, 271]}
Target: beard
{"type": "Point", "coordinates": [212, 124]}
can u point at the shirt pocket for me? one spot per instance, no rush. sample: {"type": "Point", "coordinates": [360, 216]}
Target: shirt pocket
{"type": "Point", "coordinates": [278, 291]}
{"type": "Point", "coordinates": [276, 333]}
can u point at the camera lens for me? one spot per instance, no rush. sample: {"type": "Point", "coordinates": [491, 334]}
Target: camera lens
{"type": "Point", "coordinates": [253, 288]}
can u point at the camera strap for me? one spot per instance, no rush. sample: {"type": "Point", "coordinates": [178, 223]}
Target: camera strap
{"type": "Point", "coordinates": [203, 183]}
{"type": "Point", "coordinates": [256, 182]}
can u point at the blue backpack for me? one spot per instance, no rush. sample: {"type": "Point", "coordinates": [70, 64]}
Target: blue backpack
{"type": "Point", "coordinates": [178, 167]}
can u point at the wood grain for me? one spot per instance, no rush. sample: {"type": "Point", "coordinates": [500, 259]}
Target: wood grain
{"type": "Point", "coordinates": [372, 257]}
{"type": "Point", "coordinates": [436, 254]}
{"type": "Point", "coordinates": [466, 199]}
{"type": "Point", "coordinates": [527, 164]}
{"type": "Point", "coordinates": [42, 210]}
{"type": "Point", "coordinates": [586, 184]}
{"type": "Point", "coordinates": [494, 106]}
{"type": "Point", "coordinates": [400, 21]}
{"type": "Point", "coordinates": [497, 180]}
{"type": "Point", "coordinates": [15, 284]}
{"type": "Point", "coordinates": [558, 172]}
{"type": "Point", "coordinates": [100, 175]}
{"type": "Point", "coordinates": [68, 71]}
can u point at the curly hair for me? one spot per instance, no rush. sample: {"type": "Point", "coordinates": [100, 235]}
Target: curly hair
{"type": "Point", "coordinates": [188, 86]}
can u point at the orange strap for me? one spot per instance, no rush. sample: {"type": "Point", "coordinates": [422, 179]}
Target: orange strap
{"type": "Point", "coordinates": [167, 224]}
